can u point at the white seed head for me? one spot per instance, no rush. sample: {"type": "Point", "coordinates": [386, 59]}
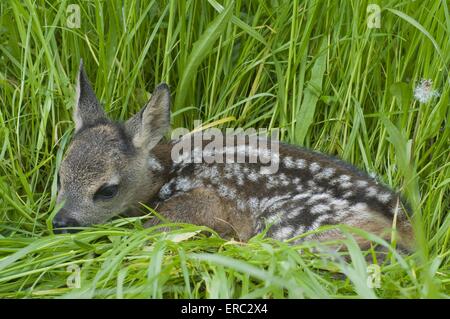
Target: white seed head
{"type": "Point", "coordinates": [423, 92]}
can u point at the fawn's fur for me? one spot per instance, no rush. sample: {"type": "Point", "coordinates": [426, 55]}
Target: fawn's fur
{"type": "Point", "coordinates": [111, 167]}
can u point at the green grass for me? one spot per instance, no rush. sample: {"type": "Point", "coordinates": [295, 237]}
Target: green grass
{"type": "Point", "coordinates": [311, 68]}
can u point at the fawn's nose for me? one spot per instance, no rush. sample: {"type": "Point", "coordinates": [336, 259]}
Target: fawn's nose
{"type": "Point", "coordinates": [62, 224]}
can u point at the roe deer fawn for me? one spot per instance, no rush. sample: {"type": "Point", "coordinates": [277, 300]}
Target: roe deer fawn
{"type": "Point", "coordinates": [109, 168]}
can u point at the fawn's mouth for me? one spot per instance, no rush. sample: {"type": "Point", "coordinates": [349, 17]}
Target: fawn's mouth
{"type": "Point", "coordinates": [62, 224]}
{"type": "Point", "coordinates": [67, 230]}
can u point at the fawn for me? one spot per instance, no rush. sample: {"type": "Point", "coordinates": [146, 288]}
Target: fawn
{"type": "Point", "coordinates": [110, 167]}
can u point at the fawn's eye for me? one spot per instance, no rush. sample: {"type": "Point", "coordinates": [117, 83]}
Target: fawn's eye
{"type": "Point", "coordinates": [106, 192]}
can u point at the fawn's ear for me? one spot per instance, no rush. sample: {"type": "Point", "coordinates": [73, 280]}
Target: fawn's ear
{"type": "Point", "coordinates": [148, 126]}
{"type": "Point", "coordinates": [87, 108]}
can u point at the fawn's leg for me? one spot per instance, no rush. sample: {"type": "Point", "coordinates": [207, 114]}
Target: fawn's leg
{"type": "Point", "coordinates": [376, 224]}
{"type": "Point", "coordinates": [203, 206]}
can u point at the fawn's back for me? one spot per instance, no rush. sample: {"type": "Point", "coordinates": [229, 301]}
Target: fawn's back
{"type": "Point", "coordinates": [308, 190]}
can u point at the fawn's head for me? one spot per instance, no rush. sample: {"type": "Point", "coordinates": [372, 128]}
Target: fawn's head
{"type": "Point", "coordinates": [108, 166]}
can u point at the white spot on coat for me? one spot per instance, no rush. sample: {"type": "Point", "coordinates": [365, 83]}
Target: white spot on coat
{"type": "Point", "coordinates": [314, 167]}
{"type": "Point", "coordinates": [154, 164]}
{"type": "Point", "coordinates": [300, 163]}
{"type": "Point", "coordinates": [295, 212]}
{"type": "Point", "coordinates": [318, 197]}
{"type": "Point", "coordinates": [372, 191]}
{"type": "Point", "coordinates": [384, 197]}
{"type": "Point", "coordinates": [274, 219]}
{"type": "Point", "coordinates": [186, 184]}
{"type": "Point", "coordinates": [288, 162]}
{"type": "Point", "coordinates": [326, 173]}
{"type": "Point", "coordinates": [346, 185]}
{"type": "Point", "coordinates": [339, 203]}
{"type": "Point", "coordinates": [348, 194]}
{"type": "Point", "coordinates": [227, 192]}
{"type": "Point", "coordinates": [253, 176]}
{"type": "Point", "coordinates": [362, 183]}
{"type": "Point", "coordinates": [165, 191]}
{"type": "Point", "coordinates": [302, 196]}
{"type": "Point", "coordinates": [283, 233]}
{"type": "Point", "coordinates": [320, 209]}
{"type": "Point", "coordinates": [268, 202]}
